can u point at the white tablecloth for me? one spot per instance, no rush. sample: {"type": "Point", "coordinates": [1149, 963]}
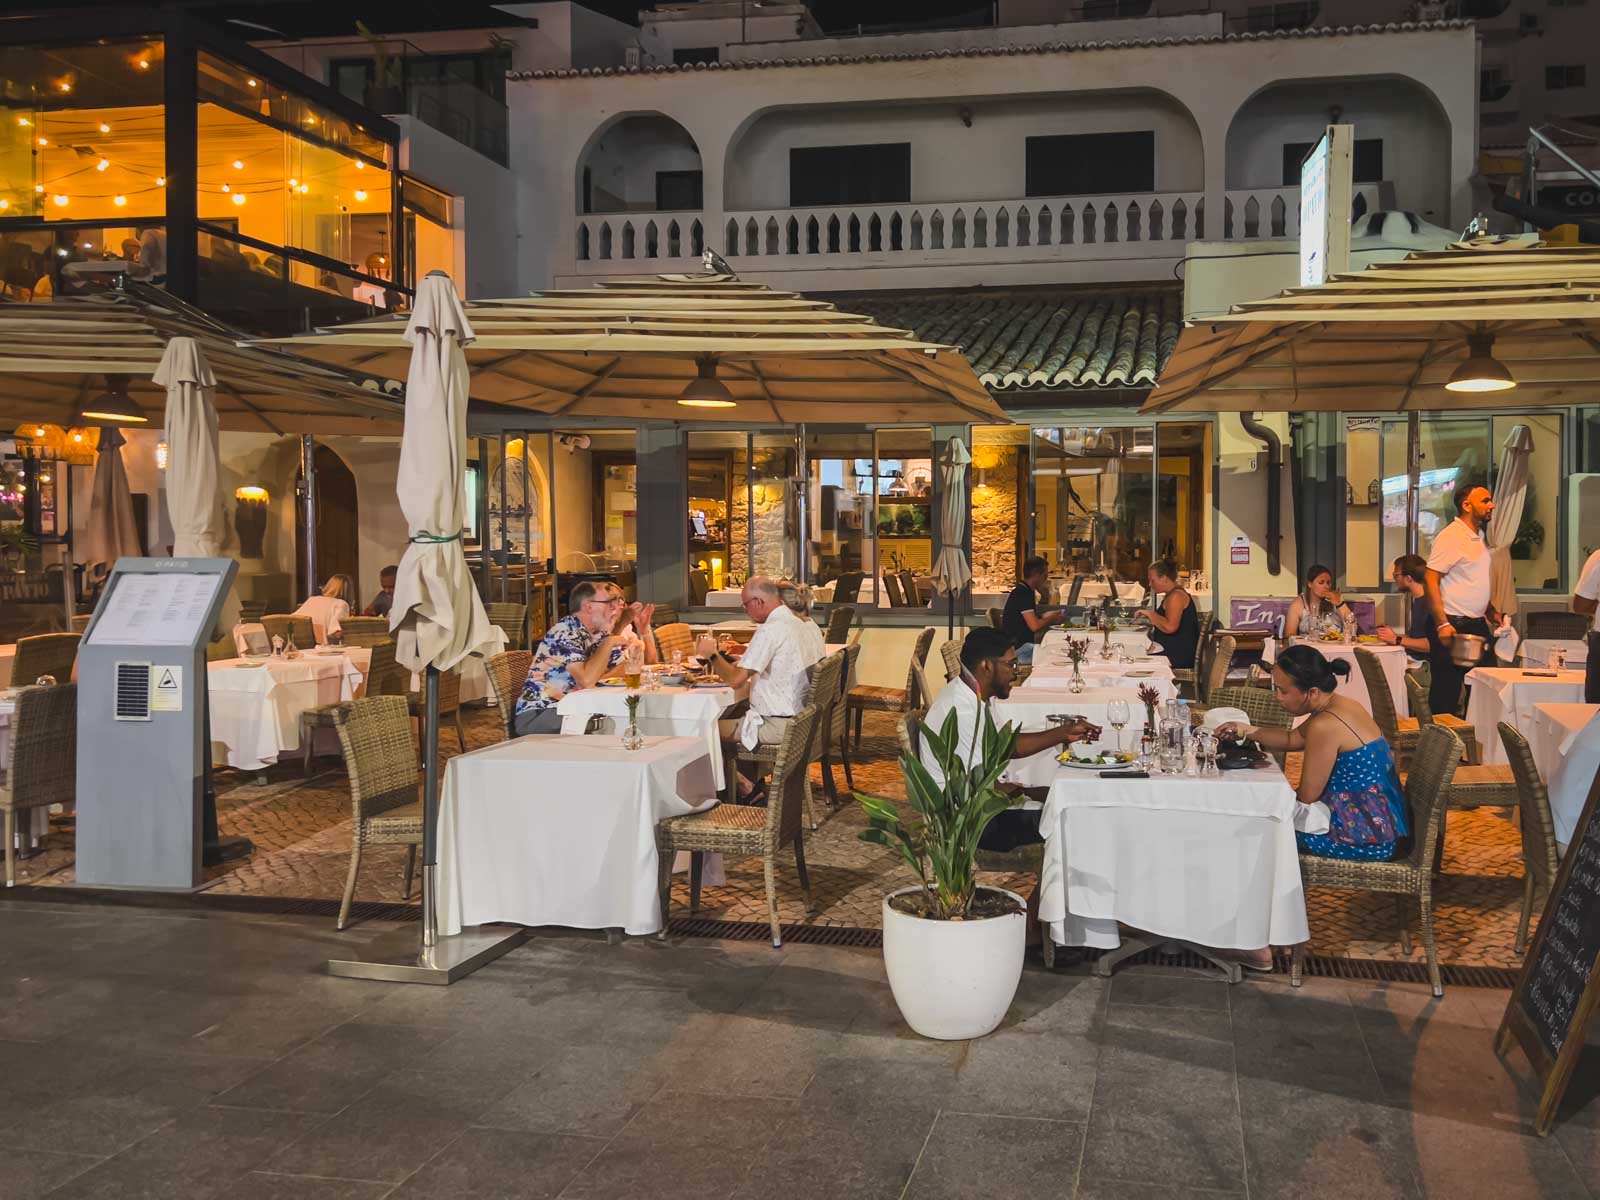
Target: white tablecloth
{"type": "Point", "coordinates": [725, 598]}
{"type": "Point", "coordinates": [1052, 669]}
{"type": "Point", "coordinates": [671, 712]}
{"type": "Point", "coordinates": [824, 594]}
{"type": "Point", "coordinates": [1507, 694]}
{"type": "Point", "coordinates": [1535, 652]}
{"type": "Point", "coordinates": [562, 830]}
{"type": "Point", "coordinates": [255, 711]}
{"type": "Point", "coordinates": [1565, 740]}
{"type": "Point", "coordinates": [7, 654]}
{"type": "Point", "coordinates": [1134, 641]}
{"type": "Point", "coordinates": [1393, 659]}
{"type": "Point", "coordinates": [1208, 861]}
{"type": "Point", "coordinates": [1030, 708]}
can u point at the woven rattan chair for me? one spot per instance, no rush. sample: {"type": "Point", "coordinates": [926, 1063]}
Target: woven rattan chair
{"type": "Point", "coordinates": [997, 618]}
{"type": "Point", "coordinates": [291, 628]}
{"type": "Point", "coordinates": [676, 636]}
{"type": "Point", "coordinates": [839, 621]}
{"type": "Point", "coordinates": [512, 620]}
{"type": "Point", "coordinates": [699, 587]}
{"type": "Point", "coordinates": [363, 631]}
{"type": "Point", "coordinates": [1541, 857]}
{"type": "Point", "coordinates": [1401, 733]}
{"type": "Point", "coordinates": [891, 584]}
{"type": "Point", "coordinates": [1560, 626]}
{"type": "Point", "coordinates": [325, 716]}
{"type": "Point", "coordinates": [744, 831]}
{"type": "Point", "coordinates": [44, 759]}
{"type": "Point", "coordinates": [1261, 706]}
{"type": "Point", "coordinates": [251, 611]}
{"type": "Point", "coordinates": [838, 720]}
{"type": "Point", "coordinates": [221, 650]}
{"type": "Point", "coordinates": [951, 653]}
{"type": "Point", "coordinates": [1433, 766]}
{"type": "Point", "coordinates": [1217, 668]}
{"type": "Point", "coordinates": [81, 624]}
{"type": "Point", "coordinates": [1023, 860]}
{"type": "Point", "coordinates": [52, 654]}
{"type": "Point", "coordinates": [1417, 693]}
{"type": "Point", "coordinates": [507, 672]}
{"type": "Point", "coordinates": [865, 698]}
{"type": "Point", "coordinates": [822, 694]}
{"type": "Point", "coordinates": [449, 703]}
{"type": "Point", "coordinates": [913, 593]}
{"type": "Point", "coordinates": [380, 753]}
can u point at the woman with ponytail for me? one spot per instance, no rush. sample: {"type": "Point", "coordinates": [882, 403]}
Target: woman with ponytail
{"type": "Point", "coordinates": [1348, 766]}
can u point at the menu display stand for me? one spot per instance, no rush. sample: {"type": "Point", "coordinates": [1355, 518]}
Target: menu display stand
{"type": "Point", "coordinates": [1558, 992]}
{"type": "Point", "coordinates": [146, 818]}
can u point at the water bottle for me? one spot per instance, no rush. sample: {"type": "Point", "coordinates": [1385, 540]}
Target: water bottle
{"type": "Point", "coordinates": [1171, 737]}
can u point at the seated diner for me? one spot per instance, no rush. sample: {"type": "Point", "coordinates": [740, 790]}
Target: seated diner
{"type": "Point", "coordinates": [329, 608]}
{"type": "Point", "coordinates": [797, 599]}
{"type": "Point", "coordinates": [1175, 626]}
{"type": "Point", "coordinates": [1318, 607]}
{"type": "Point", "coordinates": [1410, 575]}
{"type": "Point", "coordinates": [1022, 621]}
{"type": "Point", "coordinates": [578, 651]}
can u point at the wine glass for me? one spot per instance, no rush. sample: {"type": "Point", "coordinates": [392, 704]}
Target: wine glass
{"type": "Point", "coordinates": [1117, 717]}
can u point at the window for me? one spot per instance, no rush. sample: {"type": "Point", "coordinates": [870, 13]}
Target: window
{"type": "Point", "coordinates": [870, 505]}
{"type": "Point", "coordinates": [687, 56]}
{"type": "Point", "coordinates": [678, 190]}
{"type": "Point", "coordinates": [1366, 161]}
{"type": "Point", "coordinates": [1112, 10]}
{"type": "Point", "coordinates": [1494, 83]}
{"type": "Point", "coordinates": [1561, 78]}
{"type": "Point", "coordinates": [877, 174]}
{"type": "Point", "coordinates": [1264, 18]}
{"type": "Point", "coordinates": [1085, 164]}
{"type": "Point", "coordinates": [743, 510]}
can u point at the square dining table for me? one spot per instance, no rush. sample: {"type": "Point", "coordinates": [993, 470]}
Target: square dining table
{"type": "Point", "coordinates": [1509, 694]}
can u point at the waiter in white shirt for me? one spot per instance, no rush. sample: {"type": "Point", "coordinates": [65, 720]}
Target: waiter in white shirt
{"type": "Point", "coordinates": [1459, 593]}
{"type": "Point", "coordinates": [1586, 600]}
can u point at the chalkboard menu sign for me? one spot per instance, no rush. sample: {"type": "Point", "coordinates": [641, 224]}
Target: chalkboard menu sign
{"type": "Point", "coordinates": [1559, 988]}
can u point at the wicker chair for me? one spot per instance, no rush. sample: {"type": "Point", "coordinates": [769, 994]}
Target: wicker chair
{"type": "Point", "coordinates": [393, 679]}
{"type": "Point", "coordinates": [1541, 856]}
{"type": "Point", "coordinates": [1217, 668]}
{"type": "Point", "coordinates": [997, 618]}
{"type": "Point", "coordinates": [380, 753]}
{"type": "Point", "coordinates": [822, 694]}
{"type": "Point", "coordinates": [866, 698]}
{"type": "Point", "coordinates": [251, 611]}
{"type": "Point", "coordinates": [913, 593]}
{"type": "Point", "coordinates": [1417, 693]}
{"type": "Point", "coordinates": [507, 672]}
{"type": "Point", "coordinates": [1022, 860]}
{"type": "Point", "coordinates": [951, 653]}
{"type": "Point", "coordinates": [291, 628]}
{"type": "Point", "coordinates": [325, 716]}
{"type": "Point", "coordinates": [699, 587]}
{"type": "Point", "coordinates": [1427, 794]}
{"type": "Point", "coordinates": [80, 624]}
{"type": "Point", "coordinates": [363, 631]}
{"type": "Point", "coordinates": [891, 584]}
{"type": "Point", "coordinates": [52, 654]}
{"type": "Point", "coordinates": [512, 620]}
{"type": "Point", "coordinates": [839, 621]}
{"type": "Point", "coordinates": [739, 830]}
{"type": "Point", "coordinates": [1561, 626]}
{"type": "Point", "coordinates": [1260, 705]}
{"type": "Point", "coordinates": [221, 650]}
{"type": "Point", "coordinates": [838, 721]}
{"type": "Point", "coordinates": [44, 759]}
{"type": "Point", "coordinates": [1402, 733]}
{"type": "Point", "coordinates": [676, 636]}
{"type": "Point", "coordinates": [449, 703]}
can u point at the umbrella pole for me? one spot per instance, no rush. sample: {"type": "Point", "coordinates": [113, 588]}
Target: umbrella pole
{"type": "Point", "coordinates": [1413, 479]}
{"type": "Point", "coordinates": [430, 805]}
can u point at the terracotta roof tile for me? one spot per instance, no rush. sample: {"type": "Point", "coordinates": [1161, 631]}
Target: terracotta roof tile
{"type": "Point", "coordinates": [1044, 340]}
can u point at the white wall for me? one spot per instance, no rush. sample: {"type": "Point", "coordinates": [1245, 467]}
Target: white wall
{"type": "Point", "coordinates": [486, 216]}
{"type": "Point", "coordinates": [950, 161]}
{"type": "Point", "coordinates": [1241, 508]}
{"type": "Point", "coordinates": [625, 158]}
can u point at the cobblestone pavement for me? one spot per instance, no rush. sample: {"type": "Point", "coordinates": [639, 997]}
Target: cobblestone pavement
{"type": "Point", "coordinates": [301, 829]}
{"type": "Point", "coordinates": [207, 1056]}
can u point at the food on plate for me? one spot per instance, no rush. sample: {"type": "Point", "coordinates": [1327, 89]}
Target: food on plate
{"type": "Point", "coordinates": [1368, 639]}
{"type": "Point", "coordinates": [1100, 758]}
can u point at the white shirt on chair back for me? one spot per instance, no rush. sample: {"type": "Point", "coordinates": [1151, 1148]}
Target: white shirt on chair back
{"type": "Point", "coordinates": [1462, 560]}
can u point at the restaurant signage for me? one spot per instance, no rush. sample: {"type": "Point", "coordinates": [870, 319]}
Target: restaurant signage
{"type": "Point", "coordinates": [1325, 186]}
{"type": "Point", "coordinates": [1558, 991]}
{"type": "Point", "coordinates": [1571, 199]}
{"type": "Point", "coordinates": [1239, 551]}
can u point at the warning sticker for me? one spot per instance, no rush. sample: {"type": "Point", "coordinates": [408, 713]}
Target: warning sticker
{"type": "Point", "coordinates": [166, 689]}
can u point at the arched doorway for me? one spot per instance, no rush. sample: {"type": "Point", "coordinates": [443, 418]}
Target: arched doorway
{"type": "Point", "coordinates": [338, 545]}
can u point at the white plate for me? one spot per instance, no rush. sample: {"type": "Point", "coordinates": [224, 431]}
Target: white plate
{"type": "Point", "coordinates": [1094, 766]}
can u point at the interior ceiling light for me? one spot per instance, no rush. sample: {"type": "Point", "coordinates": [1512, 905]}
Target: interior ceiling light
{"type": "Point", "coordinates": [238, 197]}
{"type": "Point", "coordinates": [114, 406]}
{"type": "Point", "coordinates": [104, 128]}
{"type": "Point", "coordinates": [119, 201]}
{"type": "Point", "coordinates": [1482, 371]}
{"type": "Point", "coordinates": [102, 164]}
{"type": "Point", "coordinates": [360, 195]}
{"type": "Point", "coordinates": [706, 390]}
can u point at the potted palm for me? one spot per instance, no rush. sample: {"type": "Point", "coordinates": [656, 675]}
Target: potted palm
{"type": "Point", "coordinates": [952, 949]}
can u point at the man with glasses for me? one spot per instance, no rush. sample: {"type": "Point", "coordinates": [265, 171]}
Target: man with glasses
{"type": "Point", "coordinates": [577, 652]}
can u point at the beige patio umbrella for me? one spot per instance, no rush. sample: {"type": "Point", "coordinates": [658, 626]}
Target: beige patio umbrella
{"type": "Point", "coordinates": [952, 571]}
{"type": "Point", "coordinates": [1510, 498]}
{"type": "Point", "coordinates": [112, 532]}
{"type": "Point", "coordinates": [685, 348]}
{"type": "Point", "coordinates": [1389, 338]}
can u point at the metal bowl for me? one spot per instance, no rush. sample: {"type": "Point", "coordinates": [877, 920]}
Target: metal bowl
{"type": "Point", "coordinates": [1466, 650]}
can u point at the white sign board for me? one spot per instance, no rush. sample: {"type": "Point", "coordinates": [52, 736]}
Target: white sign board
{"type": "Point", "coordinates": [166, 689]}
{"type": "Point", "coordinates": [161, 609]}
{"type": "Point", "coordinates": [1325, 189]}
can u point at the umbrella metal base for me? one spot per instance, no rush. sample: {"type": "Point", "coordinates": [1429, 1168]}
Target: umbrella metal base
{"type": "Point", "coordinates": [1231, 970]}
{"type": "Point", "coordinates": [398, 957]}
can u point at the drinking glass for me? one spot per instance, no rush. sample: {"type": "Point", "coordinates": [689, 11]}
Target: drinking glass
{"type": "Point", "coordinates": [633, 664]}
{"type": "Point", "coordinates": [1117, 716]}
{"type": "Point", "coordinates": [1558, 658]}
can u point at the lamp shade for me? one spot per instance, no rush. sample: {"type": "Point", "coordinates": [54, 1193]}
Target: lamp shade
{"type": "Point", "coordinates": [114, 406]}
{"type": "Point", "coordinates": [706, 390]}
{"type": "Point", "coordinates": [1481, 371]}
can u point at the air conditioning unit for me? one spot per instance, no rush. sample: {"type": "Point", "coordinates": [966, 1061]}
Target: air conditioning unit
{"type": "Point", "coordinates": [631, 56]}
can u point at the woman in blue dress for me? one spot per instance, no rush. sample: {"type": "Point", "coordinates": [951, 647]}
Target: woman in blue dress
{"type": "Point", "coordinates": [1348, 766]}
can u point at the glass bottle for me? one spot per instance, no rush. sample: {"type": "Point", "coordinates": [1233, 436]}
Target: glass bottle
{"type": "Point", "coordinates": [1170, 738]}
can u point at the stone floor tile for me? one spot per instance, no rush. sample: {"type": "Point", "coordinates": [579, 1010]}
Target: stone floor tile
{"type": "Point", "coordinates": [502, 1164]}
{"type": "Point", "coordinates": [996, 1157]}
{"type": "Point", "coordinates": [1161, 991]}
{"type": "Point", "coordinates": [27, 1174]}
{"type": "Point", "coordinates": [1300, 1141]}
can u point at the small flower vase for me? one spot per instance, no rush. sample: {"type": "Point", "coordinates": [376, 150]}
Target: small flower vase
{"type": "Point", "coordinates": [1076, 684]}
{"type": "Point", "coordinates": [1105, 643]}
{"type": "Point", "coordinates": [632, 739]}
{"type": "Point", "coordinates": [1150, 719]}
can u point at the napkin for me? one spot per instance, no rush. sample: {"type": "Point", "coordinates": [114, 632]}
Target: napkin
{"type": "Point", "coordinates": [1311, 818]}
{"type": "Point", "coordinates": [1506, 641]}
{"type": "Point", "coordinates": [1215, 718]}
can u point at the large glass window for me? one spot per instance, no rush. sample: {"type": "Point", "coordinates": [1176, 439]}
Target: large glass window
{"type": "Point", "coordinates": [840, 547]}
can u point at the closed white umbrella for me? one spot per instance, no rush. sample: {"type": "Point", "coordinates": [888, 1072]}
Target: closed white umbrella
{"type": "Point", "coordinates": [952, 571]}
{"type": "Point", "coordinates": [193, 502]}
{"type": "Point", "coordinates": [1510, 497]}
{"type": "Point", "coordinates": [113, 531]}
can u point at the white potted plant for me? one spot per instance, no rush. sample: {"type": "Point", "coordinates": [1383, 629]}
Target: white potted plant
{"type": "Point", "coordinates": [953, 950]}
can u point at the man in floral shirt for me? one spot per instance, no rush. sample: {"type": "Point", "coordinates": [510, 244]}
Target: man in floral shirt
{"type": "Point", "coordinates": [576, 652]}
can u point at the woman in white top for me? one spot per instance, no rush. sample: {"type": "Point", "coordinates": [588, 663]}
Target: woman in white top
{"type": "Point", "coordinates": [330, 608]}
{"type": "Point", "coordinates": [1314, 606]}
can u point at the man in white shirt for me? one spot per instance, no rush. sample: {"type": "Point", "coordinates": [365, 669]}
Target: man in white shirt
{"type": "Point", "coordinates": [1586, 601]}
{"type": "Point", "coordinates": [988, 661]}
{"type": "Point", "coordinates": [771, 672]}
{"type": "Point", "coordinates": [1459, 590]}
